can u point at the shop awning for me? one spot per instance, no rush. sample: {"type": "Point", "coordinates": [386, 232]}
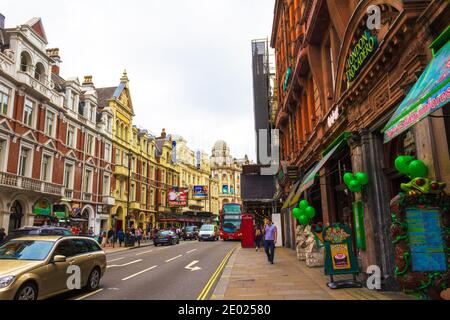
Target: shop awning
{"type": "Point", "coordinates": [294, 189]}
{"type": "Point", "coordinates": [430, 92]}
{"type": "Point", "coordinates": [308, 181]}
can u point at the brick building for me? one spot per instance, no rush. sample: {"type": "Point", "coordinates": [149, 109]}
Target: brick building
{"type": "Point", "coordinates": [332, 111]}
{"type": "Point", "coordinates": [54, 158]}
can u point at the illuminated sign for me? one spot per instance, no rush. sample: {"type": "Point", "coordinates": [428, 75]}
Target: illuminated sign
{"type": "Point", "coordinates": [359, 55]}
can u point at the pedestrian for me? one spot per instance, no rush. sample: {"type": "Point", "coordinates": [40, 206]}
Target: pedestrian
{"type": "Point", "coordinates": [2, 234]}
{"type": "Point", "coordinates": [111, 238]}
{"type": "Point", "coordinates": [139, 236]}
{"type": "Point", "coordinates": [91, 232]}
{"type": "Point", "coordinates": [104, 239]}
{"type": "Point", "coordinates": [120, 236]}
{"type": "Point", "coordinates": [270, 239]}
{"type": "Point", "coordinates": [258, 237]}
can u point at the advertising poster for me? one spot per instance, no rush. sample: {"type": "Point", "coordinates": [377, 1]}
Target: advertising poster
{"type": "Point", "coordinates": [177, 197]}
{"type": "Point", "coordinates": [225, 189]}
{"type": "Point", "coordinates": [200, 192]}
{"type": "Point", "coordinates": [339, 253]}
{"type": "Point", "coordinates": [425, 239]}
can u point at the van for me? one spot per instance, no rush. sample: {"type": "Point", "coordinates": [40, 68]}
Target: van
{"type": "Point", "coordinates": [209, 232]}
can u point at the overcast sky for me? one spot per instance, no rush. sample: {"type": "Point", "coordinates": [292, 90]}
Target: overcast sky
{"type": "Point", "coordinates": [189, 61]}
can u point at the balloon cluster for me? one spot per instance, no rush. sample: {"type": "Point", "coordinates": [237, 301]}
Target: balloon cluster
{"type": "Point", "coordinates": [304, 213]}
{"type": "Point", "coordinates": [413, 168]}
{"type": "Point", "coordinates": [355, 182]}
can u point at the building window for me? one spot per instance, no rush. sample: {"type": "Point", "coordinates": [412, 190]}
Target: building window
{"type": "Point", "coordinates": [118, 159]}
{"type": "Point", "coordinates": [25, 162]}
{"type": "Point", "coordinates": [107, 155]}
{"type": "Point", "coordinates": [120, 188]}
{"type": "Point", "coordinates": [39, 72]}
{"type": "Point", "coordinates": [46, 168]}
{"type": "Point", "coordinates": [88, 181]}
{"type": "Point", "coordinates": [109, 124]}
{"type": "Point", "coordinates": [5, 94]}
{"type": "Point", "coordinates": [28, 113]}
{"type": "Point", "coordinates": [144, 195]}
{"type": "Point", "coordinates": [132, 192]}
{"type": "Point", "coordinates": [144, 169]}
{"type": "Point", "coordinates": [49, 123]}
{"type": "Point", "coordinates": [3, 154]}
{"type": "Point", "coordinates": [68, 176]}
{"type": "Point", "coordinates": [71, 136]}
{"type": "Point", "coordinates": [73, 101]}
{"type": "Point", "coordinates": [106, 185]}
{"type": "Point", "coordinates": [90, 144]}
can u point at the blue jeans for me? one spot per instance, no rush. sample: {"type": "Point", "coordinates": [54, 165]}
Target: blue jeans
{"type": "Point", "coordinates": [269, 246]}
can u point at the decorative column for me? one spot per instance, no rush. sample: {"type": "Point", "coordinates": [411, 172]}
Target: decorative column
{"type": "Point", "coordinates": [380, 250]}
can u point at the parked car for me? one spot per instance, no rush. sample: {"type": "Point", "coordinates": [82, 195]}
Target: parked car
{"type": "Point", "coordinates": [209, 232]}
{"type": "Point", "coordinates": [190, 233]}
{"type": "Point", "coordinates": [35, 267]}
{"type": "Point", "coordinates": [38, 231]}
{"type": "Point", "coordinates": [165, 237]}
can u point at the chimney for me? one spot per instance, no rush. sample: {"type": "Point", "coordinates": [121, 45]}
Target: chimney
{"type": "Point", "coordinates": [163, 134]}
{"type": "Point", "coordinates": [54, 54]}
{"type": "Point", "coordinates": [87, 81]}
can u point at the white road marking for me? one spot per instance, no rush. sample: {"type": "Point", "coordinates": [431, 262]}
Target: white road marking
{"type": "Point", "coordinates": [140, 254]}
{"type": "Point", "coordinates": [191, 251]}
{"type": "Point", "coordinates": [89, 294]}
{"type": "Point", "coordinates": [136, 274]}
{"type": "Point", "coordinates": [115, 260]}
{"type": "Point", "coordinates": [174, 258]}
{"type": "Point", "coordinates": [191, 266]}
{"type": "Point", "coordinates": [124, 265]}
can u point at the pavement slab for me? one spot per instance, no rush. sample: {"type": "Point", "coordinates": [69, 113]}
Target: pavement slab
{"type": "Point", "coordinates": [249, 276]}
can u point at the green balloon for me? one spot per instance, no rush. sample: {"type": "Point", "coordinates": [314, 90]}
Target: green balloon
{"type": "Point", "coordinates": [417, 169]}
{"type": "Point", "coordinates": [296, 213]}
{"type": "Point", "coordinates": [310, 212]}
{"type": "Point", "coordinates": [348, 177]}
{"type": "Point", "coordinates": [362, 178]}
{"type": "Point", "coordinates": [354, 186]}
{"type": "Point", "coordinates": [303, 204]}
{"type": "Point", "coordinates": [402, 163]}
{"type": "Point", "coordinates": [303, 220]}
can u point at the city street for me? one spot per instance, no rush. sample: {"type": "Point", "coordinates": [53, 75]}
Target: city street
{"type": "Point", "coordinates": [178, 272]}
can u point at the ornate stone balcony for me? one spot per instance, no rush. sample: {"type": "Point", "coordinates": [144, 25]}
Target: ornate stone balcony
{"type": "Point", "coordinates": [18, 182]}
{"type": "Point", "coordinates": [109, 200]}
{"type": "Point", "coordinates": [42, 86]}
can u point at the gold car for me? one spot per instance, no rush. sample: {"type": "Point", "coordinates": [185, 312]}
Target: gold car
{"type": "Point", "coordinates": [38, 267]}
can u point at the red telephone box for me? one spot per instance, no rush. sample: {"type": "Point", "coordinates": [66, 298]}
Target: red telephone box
{"type": "Point", "coordinates": [248, 236]}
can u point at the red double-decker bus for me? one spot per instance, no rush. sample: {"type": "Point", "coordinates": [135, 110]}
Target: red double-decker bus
{"type": "Point", "coordinates": [230, 221]}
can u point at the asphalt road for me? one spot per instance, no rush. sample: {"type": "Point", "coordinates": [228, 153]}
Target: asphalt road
{"type": "Point", "coordinates": [177, 272]}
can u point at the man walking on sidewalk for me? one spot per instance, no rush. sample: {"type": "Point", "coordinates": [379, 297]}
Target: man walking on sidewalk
{"type": "Point", "coordinates": [270, 239]}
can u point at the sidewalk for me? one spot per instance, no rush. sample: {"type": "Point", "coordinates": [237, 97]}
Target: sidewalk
{"type": "Point", "coordinates": [116, 249]}
{"type": "Point", "coordinates": [248, 276]}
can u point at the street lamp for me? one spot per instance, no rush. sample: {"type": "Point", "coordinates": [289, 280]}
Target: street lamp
{"type": "Point", "coordinates": [127, 218]}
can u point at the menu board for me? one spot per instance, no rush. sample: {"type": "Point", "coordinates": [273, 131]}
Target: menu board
{"type": "Point", "coordinates": [425, 239]}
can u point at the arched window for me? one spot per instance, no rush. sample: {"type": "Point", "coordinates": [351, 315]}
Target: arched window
{"type": "Point", "coordinates": [25, 62]}
{"type": "Point", "coordinates": [39, 72]}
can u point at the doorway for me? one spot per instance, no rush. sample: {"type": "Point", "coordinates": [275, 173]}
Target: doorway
{"type": "Point", "coordinates": [16, 217]}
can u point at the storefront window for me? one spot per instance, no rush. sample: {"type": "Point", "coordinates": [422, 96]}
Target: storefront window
{"type": "Point", "coordinates": [340, 202]}
{"type": "Point", "coordinates": [404, 144]}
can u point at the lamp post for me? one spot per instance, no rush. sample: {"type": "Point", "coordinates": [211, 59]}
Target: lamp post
{"type": "Point", "coordinates": [130, 154]}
